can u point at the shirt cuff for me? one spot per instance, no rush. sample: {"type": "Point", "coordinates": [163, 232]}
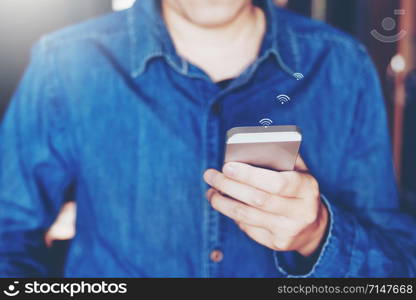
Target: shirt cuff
{"type": "Point", "coordinates": [331, 260]}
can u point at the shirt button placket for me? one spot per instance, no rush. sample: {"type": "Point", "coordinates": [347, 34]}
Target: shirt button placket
{"type": "Point", "coordinates": [213, 255]}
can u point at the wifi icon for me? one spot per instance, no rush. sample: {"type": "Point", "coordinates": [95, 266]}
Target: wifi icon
{"type": "Point", "coordinates": [266, 122]}
{"type": "Point", "coordinates": [283, 98]}
{"type": "Point", "coordinates": [298, 76]}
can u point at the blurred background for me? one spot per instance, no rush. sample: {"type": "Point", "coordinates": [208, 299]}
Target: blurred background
{"type": "Point", "coordinates": [386, 27]}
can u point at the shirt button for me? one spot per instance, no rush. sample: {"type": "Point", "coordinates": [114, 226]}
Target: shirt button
{"type": "Point", "coordinates": [216, 256]}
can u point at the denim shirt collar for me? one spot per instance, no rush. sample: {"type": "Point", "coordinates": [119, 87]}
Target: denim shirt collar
{"type": "Point", "coordinates": [150, 38]}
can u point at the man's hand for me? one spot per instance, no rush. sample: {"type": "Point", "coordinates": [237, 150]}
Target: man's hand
{"type": "Point", "coordinates": [280, 210]}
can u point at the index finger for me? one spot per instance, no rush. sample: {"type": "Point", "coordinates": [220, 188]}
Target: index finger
{"type": "Point", "coordinates": [280, 183]}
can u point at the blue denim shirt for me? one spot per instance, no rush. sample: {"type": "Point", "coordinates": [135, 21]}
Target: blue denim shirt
{"type": "Point", "coordinates": [109, 115]}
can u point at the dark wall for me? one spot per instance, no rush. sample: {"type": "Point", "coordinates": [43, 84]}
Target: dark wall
{"type": "Point", "coordinates": [22, 22]}
{"type": "Point", "coordinates": [358, 18]}
{"type": "Point", "coordinates": [300, 6]}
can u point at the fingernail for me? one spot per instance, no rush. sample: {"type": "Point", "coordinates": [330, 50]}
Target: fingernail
{"type": "Point", "coordinates": [208, 175]}
{"type": "Point", "coordinates": [230, 169]}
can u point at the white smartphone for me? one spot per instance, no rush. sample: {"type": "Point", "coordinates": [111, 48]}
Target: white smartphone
{"type": "Point", "coordinates": [271, 147]}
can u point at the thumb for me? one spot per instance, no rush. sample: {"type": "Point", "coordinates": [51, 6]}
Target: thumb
{"type": "Point", "coordinates": [300, 165]}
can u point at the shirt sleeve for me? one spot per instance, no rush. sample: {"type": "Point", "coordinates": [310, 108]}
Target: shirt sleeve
{"type": "Point", "coordinates": [369, 235]}
{"type": "Point", "coordinates": [35, 171]}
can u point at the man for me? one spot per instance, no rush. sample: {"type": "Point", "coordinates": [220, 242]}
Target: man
{"type": "Point", "coordinates": [127, 114]}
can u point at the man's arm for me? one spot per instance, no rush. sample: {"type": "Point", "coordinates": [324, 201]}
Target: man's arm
{"type": "Point", "coordinates": [367, 234]}
{"type": "Point", "coordinates": [35, 171]}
